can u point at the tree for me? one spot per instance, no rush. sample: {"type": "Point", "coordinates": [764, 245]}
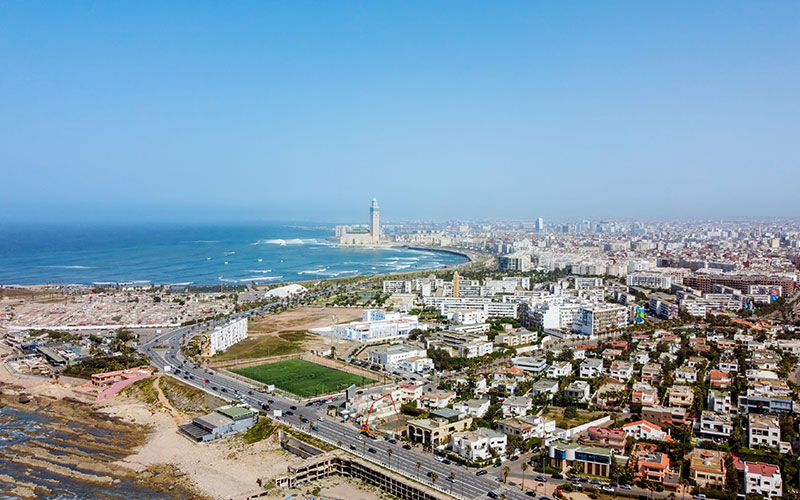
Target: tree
{"type": "Point", "coordinates": [452, 481]}
{"type": "Point", "coordinates": [390, 452]}
{"type": "Point", "coordinates": [434, 477]}
{"type": "Point", "coordinates": [524, 468]}
{"type": "Point", "coordinates": [419, 464]}
{"type": "Point", "coordinates": [506, 470]}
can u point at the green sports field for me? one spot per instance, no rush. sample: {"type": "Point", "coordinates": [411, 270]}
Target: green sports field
{"type": "Point", "coordinates": [301, 377]}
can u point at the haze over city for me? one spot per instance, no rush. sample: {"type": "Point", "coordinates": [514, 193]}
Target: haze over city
{"type": "Point", "coordinates": [449, 110]}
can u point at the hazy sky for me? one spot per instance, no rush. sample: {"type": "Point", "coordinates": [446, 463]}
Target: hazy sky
{"type": "Point", "coordinates": [305, 111]}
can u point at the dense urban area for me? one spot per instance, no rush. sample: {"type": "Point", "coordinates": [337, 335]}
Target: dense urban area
{"type": "Point", "coordinates": [584, 359]}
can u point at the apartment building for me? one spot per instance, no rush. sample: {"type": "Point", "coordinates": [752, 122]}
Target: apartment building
{"type": "Point", "coordinates": [434, 431]}
{"type": "Point", "coordinates": [715, 426]}
{"type": "Point", "coordinates": [464, 345]}
{"type": "Point", "coordinates": [516, 406]}
{"type": "Point", "coordinates": [681, 396]}
{"type": "Point", "coordinates": [530, 364]}
{"type": "Point", "coordinates": [528, 427]}
{"type": "Point", "coordinates": [621, 370]}
{"type": "Point", "coordinates": [651, 373]}
{"type": "Point", "coordinates": [472, 407]}
{"type": "Point", "coordinates": [591, 368]}
{"type": "Point", "coordinates": [598, 319]}
{"type": "Point", "coordinates": [664, 415]}
{"type": "Point", "coordinates": [391, 356]}
{"type": "Point", "coordinates": [578, 390]}
{"type": "Point", "coordinates": [560, 369]}
{"type": "Point", "coordinates": [222, 337]}
{"type": "Point", "coordinates": [763, 479]}
{"type": "Point", "coordinates": [604, 438]}
{"type": "Point", "coordinates": [522, 337]}
{"type": "Point", "coordinates": [650, 280]}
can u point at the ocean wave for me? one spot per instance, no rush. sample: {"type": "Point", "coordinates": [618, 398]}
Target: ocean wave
{"type": "Point", "coordinates": [314, 271]}
{"type": "Point", "coordinates": [265, 271]}
{"type": "Point", "coordinates": [292, 241]}
{"type": "Point", "coordinates": [70, 267]}
{"type": "Point", "coordinates": [228, 253]}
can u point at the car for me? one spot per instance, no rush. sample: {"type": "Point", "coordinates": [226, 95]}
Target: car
{"type": "Point", "coordinates": [205, 380]}
{"type": "Point", "coordinates": [393, 441]}
{"type": "Point", "coordinates": [304, 420]}
{"type": "Point", "coordinates": [213, 388]}
{"type": "Point", "coordinates": [491, 494]}
{"type": "Point", "coordinates": [265, 407]}
{"type": "Point", "coordinates": [309, 403]}
{"type": "Point", "coordinates": [315, 428]}
{"type": "Point", "coordinates": [250, 392]}
{"type": "Point", "coordinates": [572, 478]}
{"type": "Point", "coordinates": [583, 480]}
{"type": "Point", "coordinates": [292, 407]}
{"type": "Point", "coordinates": [289, 413]}
{"type": "Point", "coordinates": [699, 496]}
{"type": "Point", "coordinates": [496, 464]}
{"type": "Point", "coordinates": [577, 485]}
{"type": "Point", "coordinates": [373, 450]}
{"type": "Point", "coordinates": [481, 472]}
{"type": "Point", "coordinates": [530, 493]}
{"type": "Point", "coordinates": [359, 437]}
{"type": "Point", "coordinates": [270, 401]}
{"type": "Point", "coordinates": [438, 458]}
{"type": "Point", "coordinates": [352, 447]}
{"type": "Point", "coordinates": [224, 390]}
{"type": "Point", "coordinates": [406, 446]}
{"type": "Point", "coordinates": [446, 461]}
{"type": "Point", "coordinates": [608, 488]}
{"type": "Point", "coordinates": [430, 473]}
{"type": "Point", "coordinates": [541, 479]}
{"type": "Point", "coordinates": [595, 482]}
{"type": "Point", "coordinates": [544, 498]}
{"type": "Point", "coordinates": [514, 458]}
{"type": "Point", "coordinates": [625, 486]}
{"type": "Point", "coordinates": [557, 476]}
{"type": "Point", "coordinates": [321, 419]}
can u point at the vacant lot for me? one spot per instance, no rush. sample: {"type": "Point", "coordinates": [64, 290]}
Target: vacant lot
{"type": "Point", "coordinates": [287, 332]}
{"type": "Point", "coordinates": [584, 416]}
{"type": "Point", "coordinates": [301, 377]}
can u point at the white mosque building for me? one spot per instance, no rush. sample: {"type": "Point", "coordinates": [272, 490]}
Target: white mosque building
{"type": "Point", "coordinates": [362, 236]}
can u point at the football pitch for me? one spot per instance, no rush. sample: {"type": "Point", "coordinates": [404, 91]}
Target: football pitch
{"type": "Point", "coordinates": [302, 377]}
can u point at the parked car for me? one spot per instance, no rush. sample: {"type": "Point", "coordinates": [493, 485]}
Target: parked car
{"type": "Point", "coordinates": [492, 494]}
{"type": "Point", "coordinates": [373, 450]}
{"type": "Point", "coordinates": [558, 476]}
{"type": "Point", "coordinates": [541, 479]}
{"type": "Point", "coordinates": [699, 496]}
{"type": "Point", "coordinates": [625, 486]}
{"type": "Point", "coordinates": [406, 446]}
{"type": "Point", "coordinates": [481, 473]}
{"type": "Point", "coordinates": [530, 493]}
{"type": "Point", "coordinates": [608, 488]}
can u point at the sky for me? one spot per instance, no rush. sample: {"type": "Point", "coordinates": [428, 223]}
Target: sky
{"type": "Point", "coordinates": [132, 110]}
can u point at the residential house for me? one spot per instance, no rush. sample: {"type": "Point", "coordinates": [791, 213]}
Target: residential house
{"type": "Point", "coordinates": [664, 415]}
{"type": "Point", "coordinates": [610, 395]}
{"type": "Point", "coordinates": [764, 431]}
{"type": "Point", "coordinates": [516, 405]}
{"type": "Point", "coordinates": [763, 479]}
{"type": "Point", "coordinates": [719, 379]}
{"type": "Point", "coordinates": [530, 364]}
{"type": "Point", "coordinates": [651, 373]}
{"type": "Point", "coordinates": [591, 368]}
{"type": "Point", "coordinates": [560, 369]}
{"type": "Point", "coordinates": [526, 428]}
{"type": "Point", "coordinates": [685, 375]}
{"type": "Point", "coordinates": [546, 387]}
{"type": "Point", "coordinates": [715, 426]}
{"type": "Point", "coordinates": [434, 431]}
{"type": "Point", "coordinates": [578, 390]}
{"type": "Point", "coordinates": [730, 365]}
{"type": "Point", "coordinates": [472, 407]}
{"type": "Point", "coordinates": [604, 437]}
{"type": "Point", "coordinates": [681, 396]}
{"type": "Point", "coordinates": [611, 354]}
{"type": "Point", "coordinates": [719, 402]}
{"type": "Point", "coordinates": [621, 370]}
{"type": "Point", "coordinates": [438, 398]}
{"type": "Point", "coordinates": [707, 468]}
{"type": "Point", "coordinates": [642, 429]}
{"type": "Point", "coordinates": [481, 444]}
{"type": "Point", "coordinates": [640, 357]}
{"type": "Point", "coordinates": [649, 464]}
{"type": "Point", "coordinates": [644, 394]}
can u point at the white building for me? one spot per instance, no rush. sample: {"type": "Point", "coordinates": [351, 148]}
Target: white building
{"type": "Point", "coordinates": [560, 369]}
{"type": "Point", "coordinates": [516, 406]}
{"type": "Point", "coordinates": [764, 431]}
{"type": "Point", "coordinates": [468, 316]}
{"type": "Point", "coordinates": [719, 402]}
{"type": "Point", "coordinates": [391, 356]}
{"type": "Point", "coordinates": [417, 364]}
{"type": "Point", "coordinates": [222, 337]}
{"type": "Point", "coordinates": [621, 370]}
{"type": "Point", "coordinates": [375, 327]}
{"type": "Point", "coordinates": [530, 364]}
{"type": "Point", "coordinates": [650, 280]}
{"type": "Point", "coordinates": [472, 408]}
{"type": "Point", "coordinates": [764, 479]}
{"type": "Point", "coordinates": [591, 368]}
{"type": "Point", "coordinates": [397, 286]}
{"type": "Point", "coordinates": [643, 429]}
{"type": "Point", "coordinates": [601, 319]}
{"type": "Point", "coordinates": [715, 426]}
{"type": "Point", "coordinates": [578, 390]}
{"type": "Point", "coordinates": [478, 445]}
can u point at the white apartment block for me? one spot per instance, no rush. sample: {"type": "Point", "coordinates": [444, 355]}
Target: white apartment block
{"type": "Point", "coordinates": [523, 337]}
{"type": "Point", "coordinates": [649, 280]}
{"type": "Point", "coordinates": [560, 369]}
{"type": "Point", "coordinates": [397, 286]}
{"type": "Point", "coordinates": [621, 370]}
{"type": "Point", "coordinates": [468, 316]}
{"type": "Point", "coordinates": [514, 262]}
{"type": "Point", "coordinates": [491, 308]}
{"type": "Point", "coordinates": [601, 319]}
{"type": "Point", "coordinates": [530, 364]}
{"type": "Point", "coordinates": [222, 337]}
{"type": "Point", "coordinates": [516, 406]}
{"type": "Point", "coordinates": [463, 345]}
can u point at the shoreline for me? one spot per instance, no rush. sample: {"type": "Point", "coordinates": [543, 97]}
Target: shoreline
{"type": "Point", "coordinates": [470, 259]}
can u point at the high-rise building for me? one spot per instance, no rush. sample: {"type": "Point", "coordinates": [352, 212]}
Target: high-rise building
{"type": "Point", "coordinates": [375, 220]}
{"type": "Point", "coordinates": [540, 224]}
{"type": "Point", "coordinates": [455, 284]}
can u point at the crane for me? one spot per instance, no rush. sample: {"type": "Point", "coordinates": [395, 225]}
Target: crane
{"type": "Point", "coordinates": [365, 428]}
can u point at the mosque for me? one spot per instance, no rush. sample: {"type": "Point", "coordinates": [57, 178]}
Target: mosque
{"type": "Point", "coordinates": [362, 236]}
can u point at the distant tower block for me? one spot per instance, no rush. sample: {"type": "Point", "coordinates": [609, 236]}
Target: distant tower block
{"type": "Point", "coordinates": [375, 220]}
{"type": "Point", "coordinates": [455, 284]}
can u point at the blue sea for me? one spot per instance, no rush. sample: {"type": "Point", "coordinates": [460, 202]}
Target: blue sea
{"type": "Point", "coordinates": [199, 254]}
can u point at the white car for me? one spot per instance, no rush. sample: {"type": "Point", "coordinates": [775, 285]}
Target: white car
{"type": "Point", "coordinates": [321, 419]}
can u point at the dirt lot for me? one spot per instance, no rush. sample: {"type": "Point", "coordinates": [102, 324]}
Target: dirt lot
{"type": "Point", "coordinates": [287, 332]}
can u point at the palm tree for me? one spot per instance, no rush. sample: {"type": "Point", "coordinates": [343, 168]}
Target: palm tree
{"type": "Point", "coordinates": [506, 470]}
{"type": "Point", "coordinates": [452, 481]}
{"type": "Point", "coordinates": [419, 464]}
{"type": "Point", "coordinates": [434, 477]}
{"type": "Point", "coordinates": [524, 468]}
{"type": "Point", "coordinates": [389, 452]}
{"type": "Point", "coordinates": [339, 444]}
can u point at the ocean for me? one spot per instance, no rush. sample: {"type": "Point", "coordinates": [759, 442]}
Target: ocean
{"type": "Point", "coordinates": [200, 254]}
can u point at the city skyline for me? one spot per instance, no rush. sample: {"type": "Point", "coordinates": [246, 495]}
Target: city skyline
{"type": "Point", "coordinates": [175, 112]}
